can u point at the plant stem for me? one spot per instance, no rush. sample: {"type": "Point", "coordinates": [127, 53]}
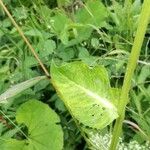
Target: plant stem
{"type": "Point", "coordinates": [59, 4]}
{"type": "Point", "coordinates": [135, 52]}
{"type": "Point", "coordinates": [24, 38]}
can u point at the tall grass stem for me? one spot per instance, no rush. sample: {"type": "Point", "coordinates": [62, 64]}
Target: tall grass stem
{"type": "Point", "coordinates": [131, 66]}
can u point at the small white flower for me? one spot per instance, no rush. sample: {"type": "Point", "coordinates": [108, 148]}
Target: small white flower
{"type": "Point", "coordinates": [100, 142]}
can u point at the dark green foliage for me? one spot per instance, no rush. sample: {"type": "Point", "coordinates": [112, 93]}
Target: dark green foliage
{"type": "Point", "coordinates": [92, 31]}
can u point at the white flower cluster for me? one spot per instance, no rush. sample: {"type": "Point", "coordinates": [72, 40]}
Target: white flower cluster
{"type": "Point", "coordinates": [100, 142]}
{"type": "Point", "coordinates": [134, 145]}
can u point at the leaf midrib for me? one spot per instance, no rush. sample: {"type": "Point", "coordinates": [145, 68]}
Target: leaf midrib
{"type": "Point", "coordinates": [92, 94]}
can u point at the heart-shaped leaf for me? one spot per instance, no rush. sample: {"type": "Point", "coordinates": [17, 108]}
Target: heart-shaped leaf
{"type": "Point", "coordinates": [86, 93]}
{"type": "Point", "coordinates": [44, 131]}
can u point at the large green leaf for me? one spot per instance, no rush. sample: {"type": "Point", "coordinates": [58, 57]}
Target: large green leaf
{"type": "Point", "coordinates": [86, 92]}
{"type": "Point", "coordinates": [44, 131]}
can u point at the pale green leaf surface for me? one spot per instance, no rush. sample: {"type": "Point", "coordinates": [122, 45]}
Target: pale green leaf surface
{"type": "Point", "coordinates": [59, 22]}
{"type": "Point", "coordinates": [18, 88]}
{"type": "Point", "coordinates": [83, 52]}
{"type": "Point", "coordinates": [85, 92]}
{"type": "Point", "coordinates": [48, 48]}
{"type": "Point", "coordinates": [66, 54]}
{"type": "Point", "coordinates": [93, 12]}
{"type": "Point", "coordinates": [43, 131]}
{"type": "Point", "coordinates": [115, 96]}
{"type": "Point", "coordinates": [33, 32]}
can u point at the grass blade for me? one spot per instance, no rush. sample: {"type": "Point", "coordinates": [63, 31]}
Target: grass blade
{"type": "Point", "coordinates": [18, 88]}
